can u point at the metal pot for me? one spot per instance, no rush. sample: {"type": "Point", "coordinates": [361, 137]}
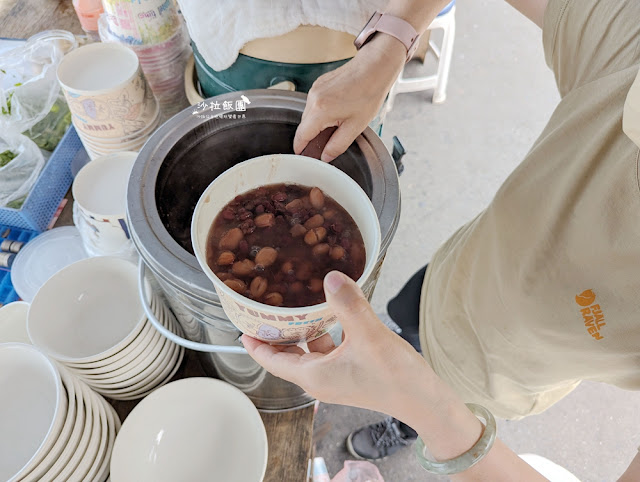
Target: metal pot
{"type": "Point", "coordinates": [176, 165]}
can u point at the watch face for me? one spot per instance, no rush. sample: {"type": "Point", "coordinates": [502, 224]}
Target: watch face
{"type": "Point", "coordinates": [367, 31]}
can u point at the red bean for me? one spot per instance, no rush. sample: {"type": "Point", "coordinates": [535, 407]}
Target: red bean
{"type": "Point", "coordinates": [294, 205]}
{"type": "Point", "coordinates": [226, 258]}
{"type": "Point", "coordinates": [231, 239]}
{"type": "Point", "coordinates": [243, 268]}
{"type": "Point", "coordinates": [315, 285]}
{"type": "Point", "coordinates": [265, 220]}
{"type": "Point", "coordinates": [266, 256]}
{"type": "Point", "coordinates": [317, 198]}
{"type": "Point", "coordinates": [287, 267]}
{"type": "Point", "coordinates": [337, 252]}
{"type": "Point", "coordinates": [236, 285]}
{"type": "Point", "coordinates": [314, 222]}
{"type": "Point", "coordinates": [273, 299]}
{"type": "Point", "coordinates": [258, 286]}
{"type": "Point", "coordinates": [298, 230]}
{"type": "Point", "coordinates": [320, 249]}
{"type": "Point", "coordinates": [315, 235]}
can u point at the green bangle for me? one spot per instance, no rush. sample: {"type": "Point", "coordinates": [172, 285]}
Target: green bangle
{"type": "Point", "coordinates": [472, 456]}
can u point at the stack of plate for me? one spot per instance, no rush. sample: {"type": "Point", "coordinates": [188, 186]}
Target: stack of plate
{"type": "Point", "coordinates": [54, 427]}
{"type": "Point", "coordinates": [88, 317]}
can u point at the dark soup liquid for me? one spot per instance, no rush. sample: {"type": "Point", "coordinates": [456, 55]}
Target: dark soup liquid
{"type": "Point", "coordinates": [276, 243]}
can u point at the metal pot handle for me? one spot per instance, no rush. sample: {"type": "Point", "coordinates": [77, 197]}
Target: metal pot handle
{"type": "Point", "coordinates": [191, 345]}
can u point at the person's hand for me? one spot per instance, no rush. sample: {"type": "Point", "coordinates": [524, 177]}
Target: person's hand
{"type": "Point", "coordinates": [350, 96]}
{"type": "Point", "coordinates": [369, 369]}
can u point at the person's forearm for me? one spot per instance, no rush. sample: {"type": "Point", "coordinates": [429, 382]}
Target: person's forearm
{"type": "Point", "coordinates": [388, 51]}
{"type": "Point", "coordinates": [449, 429]}
{"type": "Point", "coordinates": [419, 13]}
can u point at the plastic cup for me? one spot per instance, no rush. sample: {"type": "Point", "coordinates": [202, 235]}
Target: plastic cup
{"type": "Point", "coordinates": [100, 197]}
{"type": "Point", "coordinates": [148, 22]}
{"type": "Point", "coordinates": [272, 324]}
{"type": "Point", "coordinates": [107, 93]}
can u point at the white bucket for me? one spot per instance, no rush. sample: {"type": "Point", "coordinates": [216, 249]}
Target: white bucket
{"type": "Point", "coordinates": [270, 323]}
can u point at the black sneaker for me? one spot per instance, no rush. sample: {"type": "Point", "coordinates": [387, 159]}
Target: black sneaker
{"type": "Point", "coordinates": [378, 440]}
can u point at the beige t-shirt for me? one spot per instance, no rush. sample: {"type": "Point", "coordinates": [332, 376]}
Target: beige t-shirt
{"type": "Point", "coordinates": [542, 289]}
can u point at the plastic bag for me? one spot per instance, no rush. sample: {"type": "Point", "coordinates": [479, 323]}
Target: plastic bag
{"type": "Point", "coordinates": [358, 471]}
{"type": "Point", "coordinates": [30, 97]}
{"type": "Point", "coordinates": [21, 162]}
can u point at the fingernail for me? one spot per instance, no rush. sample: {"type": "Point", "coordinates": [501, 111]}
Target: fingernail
{"type": "Point", "coordinates": [326, 158]}
{"type": "Point", "coordinates": [333, 281]}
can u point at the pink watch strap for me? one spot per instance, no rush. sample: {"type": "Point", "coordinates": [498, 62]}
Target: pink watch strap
{"type": "Point", "coordinates": [394, 26]}
{"type": "Point", "coordinates": [401, 30]}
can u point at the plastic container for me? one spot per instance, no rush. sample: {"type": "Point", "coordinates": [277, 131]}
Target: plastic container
{"type": "Point", "coordinates": [43, 257]}
{"type": "Point", "coordinates": [89, 12]}
{"type": "Point", "coordinates": [50, 188]}
{"type": "Point", "coordinates": [271, 323]}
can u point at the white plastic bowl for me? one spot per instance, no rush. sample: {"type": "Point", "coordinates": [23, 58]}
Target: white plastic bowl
{"type": "Point", "coordinates": [191, 429]}
{"type": "Point", "coordinates": [87, 311]}
{"type": "Point", "coordinates": [32, 408]}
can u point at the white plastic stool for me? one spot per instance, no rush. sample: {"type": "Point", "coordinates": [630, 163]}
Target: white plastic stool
{"type": "Point", "coordinates": [446, 21]}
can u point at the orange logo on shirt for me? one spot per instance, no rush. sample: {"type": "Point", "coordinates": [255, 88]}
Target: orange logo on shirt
{"type": "Point", "coordinates": [591, 313]}
{"type": "Point", "coordinates": [586, 298]}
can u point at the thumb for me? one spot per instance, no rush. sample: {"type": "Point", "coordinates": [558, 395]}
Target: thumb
{"type": "Point", "coordinates": [349, 304]}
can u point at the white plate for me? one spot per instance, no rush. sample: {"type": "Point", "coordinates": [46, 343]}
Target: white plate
{"type": "Point", "coordinates": [104, 365]}
{"type": "Point", "coordinates": [153, 385]}
{"type": "Point", "coordinates": [76, 433]}
{"type": "Point", "coordinates": [13, 323]}
{"type": "Point", "coordinates": [197, 429]}
{"type": "Point", "coordinates": [33, 405]}
{"type": "Point", "coordinates": [114, 428]}
{"type": "Point", "coordinates": [87, 311]}
{"type": "Point", "coordinates": [65, 435]}
{"type": "Point", "coordinates": [166, 364]}
{"type": "Point", "coordinates": [91, 459]}
{"type": "Point", "coordinates": [137, 369]}
{"type": "Point", "coordinates": [134, 365]}
{"type": "Point", "coordinates": [90, 420]}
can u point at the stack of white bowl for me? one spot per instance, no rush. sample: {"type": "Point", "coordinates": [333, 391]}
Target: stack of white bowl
{"type": "Point", "coordinates": [54, 427]}
{"type": "Point", "coordinates": [89, 318]}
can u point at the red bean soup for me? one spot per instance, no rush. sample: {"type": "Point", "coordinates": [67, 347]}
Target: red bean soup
{"type": "Point", "coordinates": [276, 243]}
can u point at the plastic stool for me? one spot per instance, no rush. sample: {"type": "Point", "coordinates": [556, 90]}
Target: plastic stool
{"type": "Point", "coordinates": [446, 20]}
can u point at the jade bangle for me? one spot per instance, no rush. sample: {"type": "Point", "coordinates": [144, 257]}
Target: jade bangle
{"type": "Point", "coordinates": [472, 456]}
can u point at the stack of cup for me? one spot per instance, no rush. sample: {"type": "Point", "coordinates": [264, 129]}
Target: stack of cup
{"type": "Point", "coordinates": [113, 108]}
{"type": "Point", "coordinates": [100, 204]}
{"type": "Point", "coordinates": [157, 34]}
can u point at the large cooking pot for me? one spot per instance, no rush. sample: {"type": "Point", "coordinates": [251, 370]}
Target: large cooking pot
{"type": "Point", "coordinates": [173, 169]}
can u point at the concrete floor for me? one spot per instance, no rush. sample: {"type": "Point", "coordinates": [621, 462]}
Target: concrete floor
{"type": "Point", "coordinates": [500, 95]}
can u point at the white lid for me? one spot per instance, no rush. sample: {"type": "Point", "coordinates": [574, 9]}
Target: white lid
{"type": "Point", "coordinates": [43, 257]}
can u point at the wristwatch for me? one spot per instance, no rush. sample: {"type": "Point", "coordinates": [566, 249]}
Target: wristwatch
{"type": "Point", "coordinates": [394, 26]}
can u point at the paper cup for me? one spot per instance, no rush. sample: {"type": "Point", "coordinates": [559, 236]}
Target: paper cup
{"type": "Point", "coordinates": [100, 202]}
{"type": "Point", "coordinates": [269, 323]}
{"type": "Point", "coordinates": [107, 93]}
{"type": "Point", "coordinates": [148, 22]}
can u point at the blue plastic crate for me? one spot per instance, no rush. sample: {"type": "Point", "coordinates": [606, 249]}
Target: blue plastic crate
{"type": "Point", "coordinates": [50, 188]}
{"type": "Point", "coordinates": [7, 293]}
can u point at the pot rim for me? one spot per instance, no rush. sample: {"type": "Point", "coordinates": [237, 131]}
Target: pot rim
{"type": "Point", "coordinates": [154, 242]}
